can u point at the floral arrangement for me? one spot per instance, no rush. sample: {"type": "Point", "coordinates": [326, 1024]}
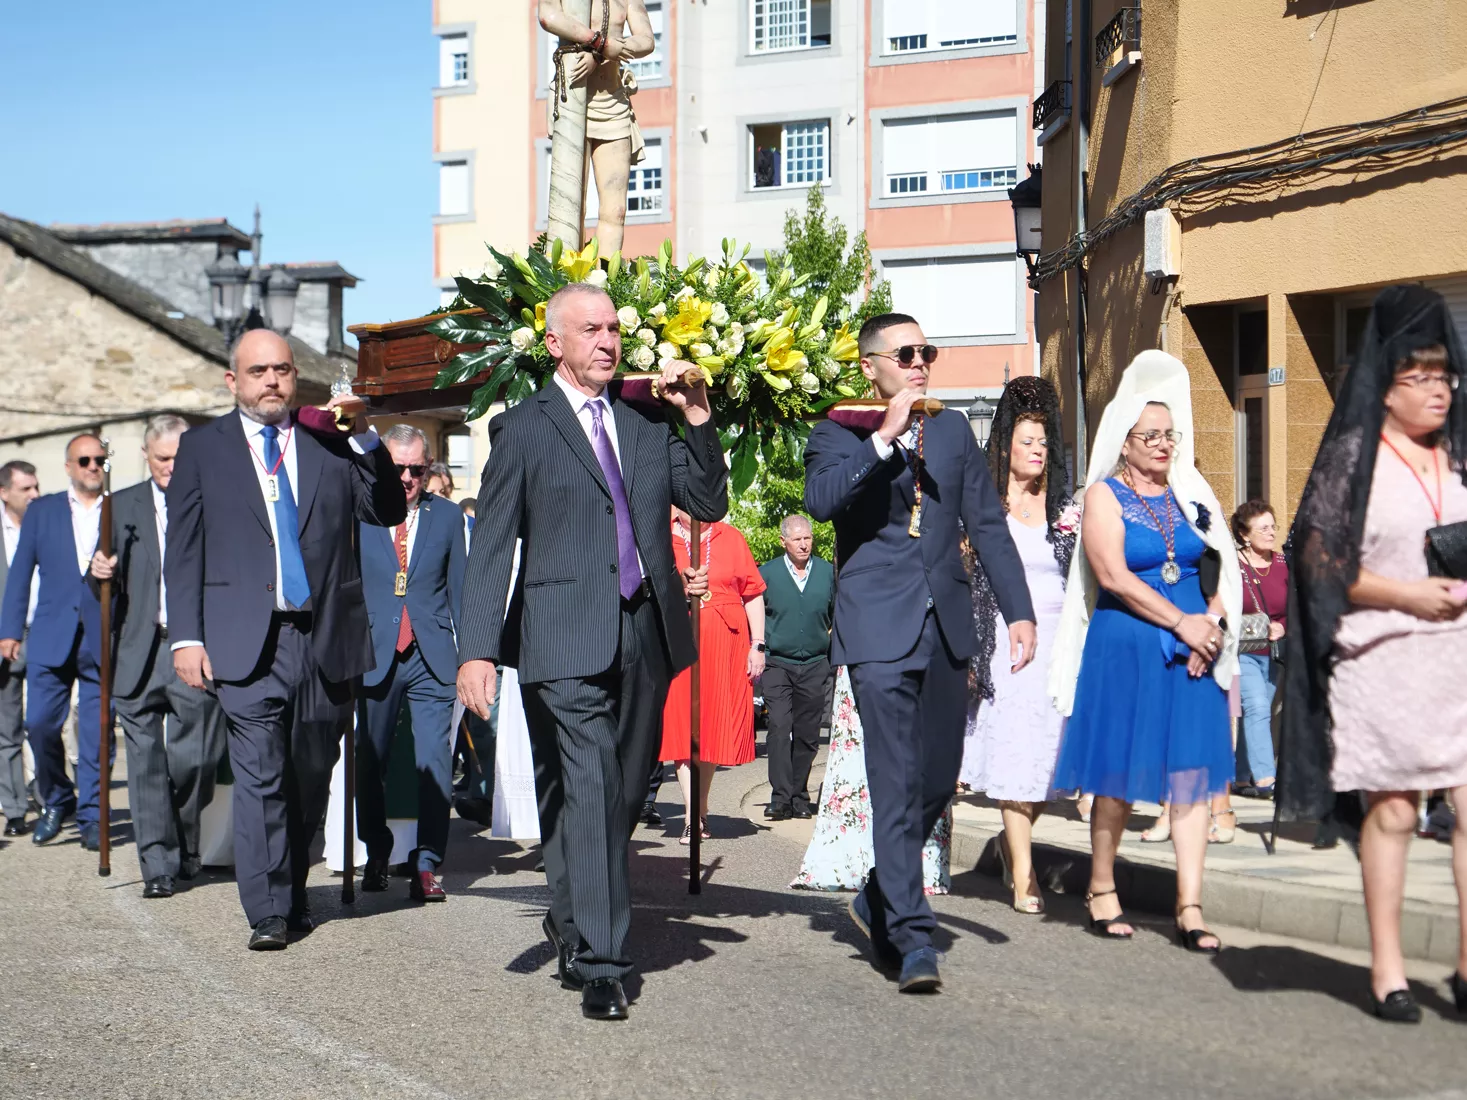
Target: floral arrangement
{"type": "Point", "coordinates": [772, 362]}
{"type": "Point", "coordinates": [1068, 522]}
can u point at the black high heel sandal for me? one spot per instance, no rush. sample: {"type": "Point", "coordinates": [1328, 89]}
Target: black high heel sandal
{"type": "Point", "coordinates": [1191, 938]}
{"type": "Point", "coordinates": [1458, 985]}
{"type": "Point", "coordinates": [1100, 926]}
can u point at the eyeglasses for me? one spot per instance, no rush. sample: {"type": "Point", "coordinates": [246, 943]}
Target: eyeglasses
{"type": "Point", "coordinates": [907, 354]}
{"type": "Point", "coordinates": [1154, 438]}
{"type": "Point", "coordinates": [1427, 381]}
{"type": "Point", "coordinates": [86, 460]}
{"type": "Point", "coordinates": [416, 471]}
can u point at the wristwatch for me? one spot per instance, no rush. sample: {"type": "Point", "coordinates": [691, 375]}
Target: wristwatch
{"type": "Point", "coordinates": [760, 646]}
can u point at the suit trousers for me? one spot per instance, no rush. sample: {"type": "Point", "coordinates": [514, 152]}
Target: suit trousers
{"type": "Point", "coordinates": [285, 725]}
{"type": "Point", "coordinates": [175, 737]}
{"type": "Point", "coordinates": [594, 741]}
{"type": "Point", "coordinates": [12, 737]}
{"type": "Point", "coordinates": [430, 703]}
{"type": "Point", "coordinates": [913, 713]}
{"type": "Point", "coordinates": [48, 695]}
{"type": "Point", "coordinates": [798, 698]}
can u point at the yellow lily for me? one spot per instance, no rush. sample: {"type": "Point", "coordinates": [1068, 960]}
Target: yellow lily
{"type": "Point", "coordinates": [781, 355]}
{"type": "Point", "coordinates": [843, 346]}
{"type": "Point", "coordinates": [712, 364]}
{"type": "Point", "coordinates": [540, 317]}
{"type": "Point", "coordinates": [577, 265]}
{"type": "Point", "coordinates": [687, 324]}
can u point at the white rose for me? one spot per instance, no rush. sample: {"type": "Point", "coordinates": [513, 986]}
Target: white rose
{"type": "Point", "coordinates": [685, 292]}
{"type": "Point", "coordinates": [522, 339]}
{"type": "Point", "coordinates": [666, 350]}
{"type": "Point", "coordinates": [820, 335]}
{"type": "Point", "coordinates": [647, 336]}
{"type": "Point", "coordinates": [829, 370]}
{"type": "Point", "coordinates": [492, 270]}
{"type": "Point", "coordinates": [629, 317]}
{"type": "Point", "coordinates": [720, 314]}
{"type": "Point", "coordinates": [809, 383]}
{"type": "Point", "coordinates": [659, 311]}
{"type": "Point", "coordinates": [700, 351]}
{"type": "Point", "coordinates": [643, 358]}
{"type": "Point", "coordinates": [596, 278]}
{"type": "Point", "coordinates": [710, 280]}
{"type": "Point", "coordinates": [735, 328]}
{"type": "Point", "coordinates": [735, 386]}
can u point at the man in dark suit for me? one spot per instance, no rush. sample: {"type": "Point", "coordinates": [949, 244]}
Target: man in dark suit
{"type": "Point", "coordinates": [18, 487]}
{"type": "Point", "coordinates": [170, 776]}
{"type": "Point", "coordinates": [598, 623]}
{"type": "Point", "coordinates": [265, 606]}
{"type": "Point", "coordinates": [413, 577]}
{"type": "Point", "coordinates": [58, 539]}
{"type": "Point", "coordinates": [904, 618]}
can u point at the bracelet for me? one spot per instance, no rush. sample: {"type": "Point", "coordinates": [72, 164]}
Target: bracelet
{"type": "Point", "coordinates": [1179, 622]}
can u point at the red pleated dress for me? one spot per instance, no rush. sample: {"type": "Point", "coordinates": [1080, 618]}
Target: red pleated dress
{"type": "Point", "coordinates": [723, 650]}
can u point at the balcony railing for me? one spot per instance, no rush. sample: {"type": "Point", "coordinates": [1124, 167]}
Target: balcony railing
{"type": "Point", "coordinates": [1054, 102]}
{"type": "Point", "coordinates": [1121, 33]}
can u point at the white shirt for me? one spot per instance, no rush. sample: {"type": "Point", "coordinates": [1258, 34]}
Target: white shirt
{"type": "Point", "coordinates": [12, 540]}
{"type": "Point", "coordinates": [908, 441]}
{"type": "Point", "coordinates": [412, 532]}
{"type": "Point", "coordinates": [86, 527]}
{"type": "Point", "coordinates": [160, 520]}
{"type": "Point", "coordinates": [800, 580]}
{"type": "Point", "coordinates": [580, 404]}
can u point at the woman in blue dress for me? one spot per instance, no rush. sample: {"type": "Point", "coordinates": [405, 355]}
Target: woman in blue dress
{"type": "Point", "coordinates": [1150, 717]}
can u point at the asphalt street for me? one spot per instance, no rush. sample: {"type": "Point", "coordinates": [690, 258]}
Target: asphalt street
{"type": "Point", "coordinates": [748, 990]}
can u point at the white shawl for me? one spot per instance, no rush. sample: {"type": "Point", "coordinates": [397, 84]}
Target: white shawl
{"type": "Point", "coordinates": [1152, 376]}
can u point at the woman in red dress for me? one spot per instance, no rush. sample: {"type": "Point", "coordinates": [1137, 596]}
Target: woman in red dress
{"type": "Point", "coordinates": [731, 658]}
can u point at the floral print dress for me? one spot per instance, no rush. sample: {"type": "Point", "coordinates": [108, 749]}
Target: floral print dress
{"type": "Point", "coordinates": [840, 855]}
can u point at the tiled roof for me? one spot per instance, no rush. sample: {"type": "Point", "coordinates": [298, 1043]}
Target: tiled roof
{"type": "Point", "coordinates": [180, 229]}
{"type": "Point", "coordinates": [322, 271]}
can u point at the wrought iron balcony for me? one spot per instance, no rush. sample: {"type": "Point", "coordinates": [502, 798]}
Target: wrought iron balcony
{"type": "Point", "coordinates": [1121, 33]}
{"type": "Point", "coordinates": [1054, 102]}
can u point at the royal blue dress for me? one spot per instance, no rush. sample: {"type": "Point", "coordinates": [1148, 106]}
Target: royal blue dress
{"type": "Point", "coordinates": [1142, 730]}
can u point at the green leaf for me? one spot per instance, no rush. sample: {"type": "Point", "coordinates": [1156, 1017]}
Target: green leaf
{"type": "Point", "coordinates": [463, 367]}
{"type": "Point", "coordinates": [557, 248]}
{"type": "Point", "coordinates": [745, 463]}
{"type": "Point", "coordinates": [458, 329]}
{"type": "Point", "coordinates": [485, 296]}
{"type": "Point", "coordinates": [664, 255]}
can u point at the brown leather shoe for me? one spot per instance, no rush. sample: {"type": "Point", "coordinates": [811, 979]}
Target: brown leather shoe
{"type": "Point", "coordinates": [424, 886]}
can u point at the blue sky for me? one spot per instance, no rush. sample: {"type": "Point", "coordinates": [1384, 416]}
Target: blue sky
{"type": "Point", "coordinates": [319, 110]}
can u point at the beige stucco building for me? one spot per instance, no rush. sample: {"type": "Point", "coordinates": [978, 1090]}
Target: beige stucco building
{"type": "Point", "coordinates": [1260, 285]}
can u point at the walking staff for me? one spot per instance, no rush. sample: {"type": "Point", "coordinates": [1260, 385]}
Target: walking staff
{"type": "Point", "coordinates": [104, 759]}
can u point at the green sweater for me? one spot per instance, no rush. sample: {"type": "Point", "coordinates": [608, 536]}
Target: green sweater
{"type": "Point", "coordinates": [797, 624]}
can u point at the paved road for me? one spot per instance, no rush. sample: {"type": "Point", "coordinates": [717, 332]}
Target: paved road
{"type": "Point", "coordinates": [751, 990]}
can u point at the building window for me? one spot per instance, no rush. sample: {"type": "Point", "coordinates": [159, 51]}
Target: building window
{"type": "Point", "coordinates": [954, 298]}
{"type": "Point", "coordinates": [650, 67]}
{"type": "Point", "coordinates": [790, 154]}
{"type": "Point", "coordinates": [453, 188]}
{"type": "Point", "coordinates": [644, 184]}
{"type": "Point", "coordinates": [460, 457]}
{"type": "Point", "coordinates": [779, 25]}
{"type": "Point", "coordinates": [910, 25]}
{"type": "Point", "coordinates": [453, 60]}
{"type": "Point", "coordinates": [950, 153]}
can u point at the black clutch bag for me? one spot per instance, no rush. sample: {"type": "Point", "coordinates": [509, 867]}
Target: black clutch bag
{"type": "Point", "coordinates": [1446, 551]}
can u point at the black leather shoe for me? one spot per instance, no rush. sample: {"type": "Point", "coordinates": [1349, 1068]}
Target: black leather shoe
{"type": "Point", "coordinates": [190, 869]}
{"type": "Point", "coordinates": [269, 935]}
{"type": "Point", "coordinates": [375, 876]}
{"type": "Point", "coordinates": [1458, 985]}
{"type": "Point", "coordinates": [17, 826]}
{"type": "Point", "coordinates": [478, 810]}
{"type": "Point", "coordinates": [801, 812]}
{"type": "Point", "coordinates": [777, 813]}
{"type": "Point", "coordinates": [48, 826]}
{"type": "Point", "coordinates": [160, 887]}
{"type": "Point", "coordinates": [649, 816]}
{"type": "Point", "coordinates": [91, 838]}
{"type": "Point", "coordinates": [603, 999]}
{"type": "Point", "coordinates": [300, 923]}
{"type": "Point", "coordinates": [565, 962]}
{"type": "Point", "coordinates": [1399, 1007]}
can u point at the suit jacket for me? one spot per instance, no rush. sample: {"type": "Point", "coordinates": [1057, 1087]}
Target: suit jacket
{"type": "Point", "coordinates": [135, 587]}
{"type": "Point", "coordinates": [46, 542]}
{"type": "Point", "coordinates": [435, 585]}
{"type": "Point", "coordinates": [883, 574]}
{"type": "Point", "coordinates": [542, 484]}
{"type": "Point", "coordinates": [220, 560]}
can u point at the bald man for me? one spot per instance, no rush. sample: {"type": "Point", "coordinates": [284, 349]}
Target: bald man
{"type": "Point", "coordinates": [265, 608]}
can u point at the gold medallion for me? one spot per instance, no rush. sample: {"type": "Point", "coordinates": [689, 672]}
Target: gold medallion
{"type": "Point", "coordinates": [399, 583]}
{"type": "Point", "coordinates": [706, 597]}
{"type": "Point", "coordinates": [915, 527]}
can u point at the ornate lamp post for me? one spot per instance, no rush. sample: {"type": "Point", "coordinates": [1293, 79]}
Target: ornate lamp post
{"type": "Point", "coordinates": [272, 292]}
{"type": "Point", "coordinates": [1025, 199]}
{"type": "Point", "coordinates": [980, 419]}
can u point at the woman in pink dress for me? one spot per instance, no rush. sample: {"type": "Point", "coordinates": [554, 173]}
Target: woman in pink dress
{"type": "Point", "coordinates": [1377, 646]}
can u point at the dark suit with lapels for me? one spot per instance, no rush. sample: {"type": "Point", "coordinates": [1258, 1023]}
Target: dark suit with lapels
{"type": "Point", "coordinates": [904, 627]}
{"type": "Point", "coordinates": [424, 674]}
{"type": "Point", "coordinates": [594, 667]}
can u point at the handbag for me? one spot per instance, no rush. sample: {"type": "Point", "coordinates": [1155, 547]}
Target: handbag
{"type": "Point", "coordinates": [1253, 634]}
{"type": "Point", "coordinates": [1446, 551]}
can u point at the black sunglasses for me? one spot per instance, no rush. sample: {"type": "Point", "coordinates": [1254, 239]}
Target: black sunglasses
{"type": "Point", "coordinates": [416, 471]}
{"type": "Point", "coordinates": [86, 460]}
{"type": "Point", "coordinates": [905, 355]}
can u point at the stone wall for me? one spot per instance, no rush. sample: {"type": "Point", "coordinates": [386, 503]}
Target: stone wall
{"type": "Point", "coordinates": [173, 270]}
{"type": "Point", "coordinates": [318, 316]}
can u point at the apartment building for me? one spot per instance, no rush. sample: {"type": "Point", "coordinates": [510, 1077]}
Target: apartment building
{"type": "Point", "coordinates": [910, 114]}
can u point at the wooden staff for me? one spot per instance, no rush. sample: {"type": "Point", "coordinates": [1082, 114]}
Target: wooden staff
{"type": "Point", "coordinates": [349, 807]}
{"type": "Point", "coordinates": [104, 763]}
{"type": "Point", "coordinates": [695, 721]}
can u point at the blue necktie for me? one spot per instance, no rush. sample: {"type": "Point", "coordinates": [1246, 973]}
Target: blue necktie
{"type": "Point", "coordinates": [293, 583]}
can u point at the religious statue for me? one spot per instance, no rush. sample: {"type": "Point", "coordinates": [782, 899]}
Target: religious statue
{"type": "Point", "coordinates": [590, 59]}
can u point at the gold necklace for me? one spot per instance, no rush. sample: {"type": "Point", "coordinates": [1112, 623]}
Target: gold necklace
{"type": "Point", "coordinates": [1262, 572]}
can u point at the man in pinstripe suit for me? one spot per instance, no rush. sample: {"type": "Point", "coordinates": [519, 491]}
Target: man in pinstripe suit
{"type": "Point", "coordinates": [598, 622]}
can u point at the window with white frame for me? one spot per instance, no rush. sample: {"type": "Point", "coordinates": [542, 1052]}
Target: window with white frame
{"type": "Point", "coordinates": [453, 188]}
{"type": "Point", "coordinates": [650, 67]}
{"type": "Point", "coordinates": [776, 26]}
{"type": "Point", "coordinates": [957, 297]}
{"type": "Point", "coordinates": [453, 60]}
{"type": "Point", "coordinates": [789, 154]}
{"type": "Point", "coordinates": [909, 25]}
{"type": "Point", "coordinates": [644, 182]}
{"type": "Point", "coordinates": [949, 154]}
{"type": "Point", "coordinates": [460, 457]}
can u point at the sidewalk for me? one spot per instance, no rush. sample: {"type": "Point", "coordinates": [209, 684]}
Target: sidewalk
{"type": "Point", "coordinates": [1297, 892]}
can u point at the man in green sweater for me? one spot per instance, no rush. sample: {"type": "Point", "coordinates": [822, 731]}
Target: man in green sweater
{"type": "Point", "coordinates": [796, 685]}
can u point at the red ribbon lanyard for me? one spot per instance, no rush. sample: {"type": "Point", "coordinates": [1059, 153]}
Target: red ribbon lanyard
{"type": "Point", "coordinates": [1436, 505]}
{"type": "Point", "coordinates": [276, 468]}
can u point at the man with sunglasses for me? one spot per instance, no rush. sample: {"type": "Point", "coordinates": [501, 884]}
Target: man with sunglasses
{"type": "Point", "coordinates": [57, 540]}
{"type": "Point", "coordinates": [903, 621]}
{"type": "Point", "coordinates": [412, 577]}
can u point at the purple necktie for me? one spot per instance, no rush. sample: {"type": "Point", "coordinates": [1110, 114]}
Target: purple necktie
{"type": "Point", "coordinates": [626, 543]}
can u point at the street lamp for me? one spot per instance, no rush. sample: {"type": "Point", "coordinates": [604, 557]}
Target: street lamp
{"type": "Point", "coordinates": [282, 288]}
{"type": "Point", "coordinates": [980, 419]}
{"type": "Point", "coordinates": [227, 278]}
{"type": "Point", "coordinates": [1026, 200]}
{"type": "Point", "coordinates": [271, 292]}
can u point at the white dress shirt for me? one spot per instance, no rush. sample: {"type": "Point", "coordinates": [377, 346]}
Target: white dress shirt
{"type": "Point", "coordinates": [12, 540]}
{"type": "Point", "coordinates": [580, 404]}
{"type": "Point", "coordinates": [413, 517]}
{"type": "Point", "coordinates": [800, 579]}
{"type": "Point", "coordinates": [160, 520]}
{"type": "Point", "coordinates": [86, 527]}
{"type": "Point", "coordinates": [907, 440]}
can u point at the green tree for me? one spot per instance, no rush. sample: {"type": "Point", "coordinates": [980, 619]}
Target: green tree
{"type": "Point", "coordinates": [778, 491]}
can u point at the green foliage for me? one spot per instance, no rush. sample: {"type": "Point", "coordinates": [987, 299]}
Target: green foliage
{"type": "Point", "coordinates": [819, 248]}
{"type": "Point", "coordinates": [778, 491]}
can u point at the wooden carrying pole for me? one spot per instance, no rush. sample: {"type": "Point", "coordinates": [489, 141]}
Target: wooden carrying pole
{"type": "Point", "coordinates": [695, 723]}
{"type": "Point", "coordinates": [104, 762]}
